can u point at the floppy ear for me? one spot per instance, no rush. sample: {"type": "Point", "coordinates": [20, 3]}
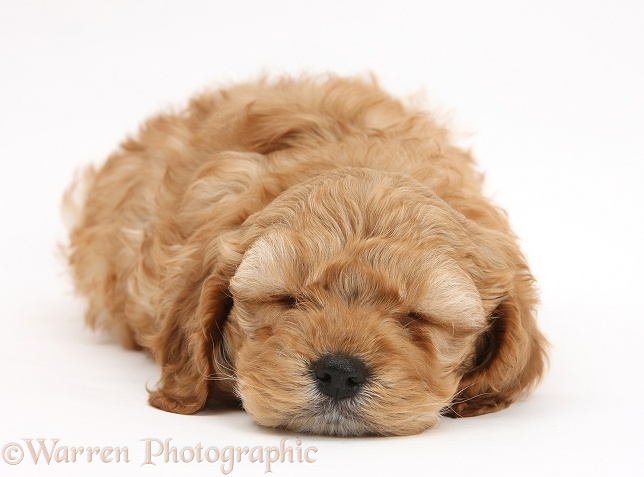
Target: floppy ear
{"type": "Point", "coordinates": [511, 353]}
{"type": "Point", "coordinates": [194, 302]}
{"type": "Point", "coordinates": [189, 345]}
{"type": "Point", "coordinates": [184, 347]}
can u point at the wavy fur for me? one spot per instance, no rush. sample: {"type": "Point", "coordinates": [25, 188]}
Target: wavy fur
{"type": "Point", "coordinates": [272, 222]}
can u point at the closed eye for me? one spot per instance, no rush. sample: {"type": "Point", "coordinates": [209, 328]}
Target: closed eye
{"type": "Point", "coordinates": [287, 301]}
{"type": "Point", "coordinates": [409, 319]}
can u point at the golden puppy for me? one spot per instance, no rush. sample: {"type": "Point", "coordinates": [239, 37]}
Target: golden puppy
{"type": "Point", "coordinates": [314, 249]}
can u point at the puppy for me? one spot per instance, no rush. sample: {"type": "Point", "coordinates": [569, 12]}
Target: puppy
{"type": "Point", "coordinates": [314, 249]}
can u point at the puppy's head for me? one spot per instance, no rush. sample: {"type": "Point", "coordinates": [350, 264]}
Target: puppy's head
{"type": "Point", "coordinates": [355, 303]}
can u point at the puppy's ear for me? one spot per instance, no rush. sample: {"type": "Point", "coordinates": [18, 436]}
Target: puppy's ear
{"type": "Point", "coordinates": [215, 224]}
{"type": "Point", "coordinates": [184, 347]}
{"type": "Point", "coordinates": [511, 353]}
{"type": "Point", "coordinates": [188, 344]}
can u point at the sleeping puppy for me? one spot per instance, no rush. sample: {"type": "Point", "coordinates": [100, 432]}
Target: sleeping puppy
{"type": "Point", "coordinates": [314, 249]}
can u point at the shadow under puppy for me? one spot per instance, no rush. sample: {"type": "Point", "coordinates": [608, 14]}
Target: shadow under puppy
{"type": "Point", "coordinates": [314, 249]}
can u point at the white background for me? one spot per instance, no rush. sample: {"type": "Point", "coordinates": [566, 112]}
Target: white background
{"type": "Point", "coordinates": [548, 94]}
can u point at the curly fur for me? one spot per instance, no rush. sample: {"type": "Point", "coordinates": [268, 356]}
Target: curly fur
{"type": "Point", "coordinates": [272, 222]}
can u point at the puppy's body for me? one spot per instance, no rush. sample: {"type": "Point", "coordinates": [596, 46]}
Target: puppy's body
{"type": "Point", "coordinates": [273, 230]}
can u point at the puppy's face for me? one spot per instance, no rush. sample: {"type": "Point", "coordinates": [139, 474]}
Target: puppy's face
{"type": "Point", "coordinates": [361, 304]}
{"type": "Point", "coordinates": [356, 309]}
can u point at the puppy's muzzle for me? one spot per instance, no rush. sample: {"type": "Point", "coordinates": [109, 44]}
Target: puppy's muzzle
{"type": "Point", "coordinates": [339, 376]}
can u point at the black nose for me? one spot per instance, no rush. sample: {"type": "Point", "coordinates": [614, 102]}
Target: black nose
{"type": "Point", "coordinates": [339, 376]}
